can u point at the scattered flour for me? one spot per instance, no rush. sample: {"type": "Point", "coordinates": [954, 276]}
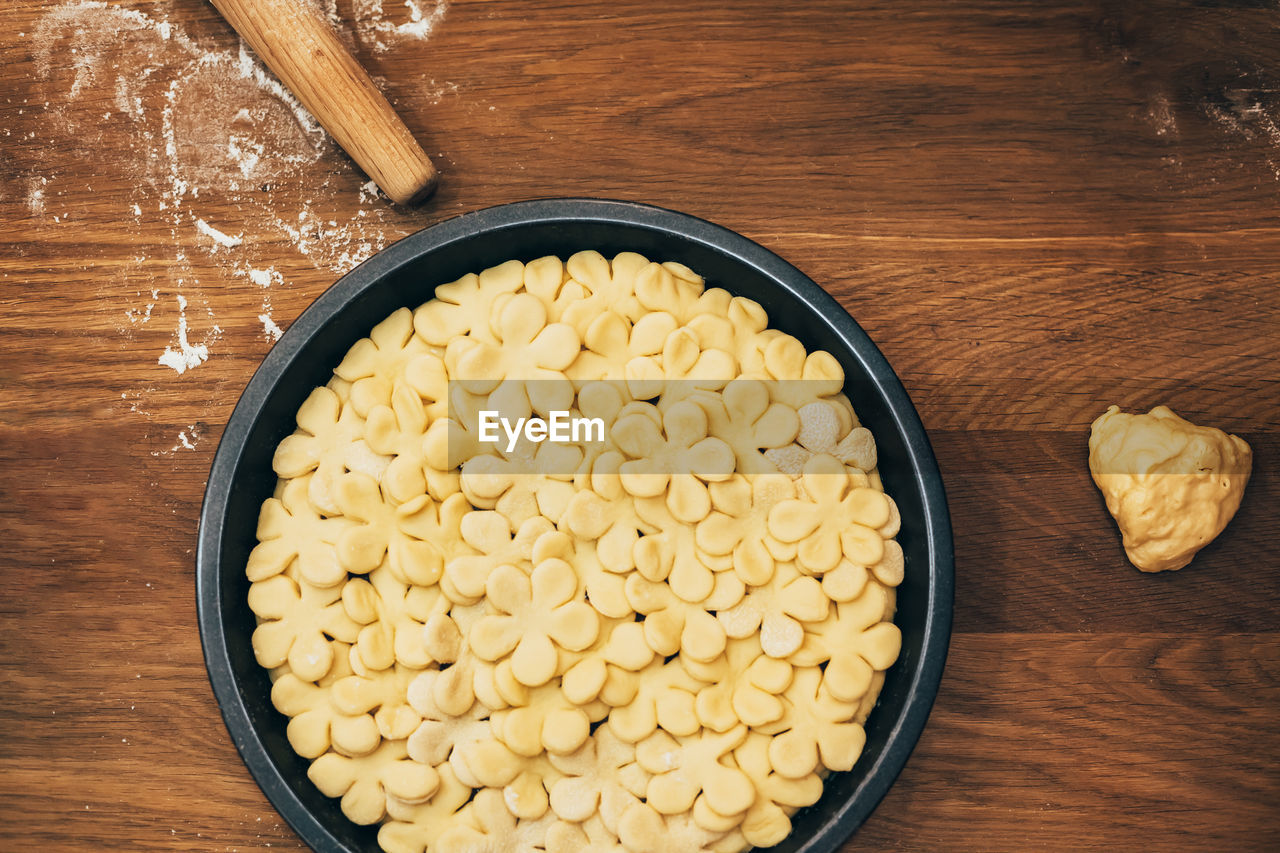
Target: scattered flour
{"type": "Point", "coordinates": [1246, 113]}
{"type": "Point", "coordinates": [133, 398]}
{"type": "Point", "coordinates": [187, 356]}
{"type": "Point", "coordinates": [35, 201]}
{"type": "Point", "coordinates": [377, 30]}
{"type": "Point", "coordinates": [273, 332]}
{"type": "Point", "coordinates": [217, 236]}
{"type": "Point", "coordinates": [245, 151]}
{"type": "Point", "coordinates": [251, 69]}
{"type": "Point", "coordinates": [139, 316]}
{"type": "Point", "coordinates": [205, 120]}
{"type": "Point", "coordinates": [1160, 114]}
{"type": "Point", "coordinates": [187, 440]}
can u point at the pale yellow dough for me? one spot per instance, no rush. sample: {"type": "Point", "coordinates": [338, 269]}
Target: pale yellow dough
{"type": "Point", "coordinates": [661, 642]}
{"type": "Point", "coordinates": [1171, 485]}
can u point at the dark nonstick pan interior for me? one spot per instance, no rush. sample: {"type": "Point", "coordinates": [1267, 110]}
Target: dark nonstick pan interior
{"type": "Point", "coordinates": [405, 275]}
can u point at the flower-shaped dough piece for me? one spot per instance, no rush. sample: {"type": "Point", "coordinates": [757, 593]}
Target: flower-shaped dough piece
{"type": "Point", "coordinates": [438, 522]}
{"type": "Point", "coordinates": [441, 636]}
{"type": "Point", "coordinates": [777, 611]}
{"type": "Point", "coordinates": [535, 479]}
{"type": "Point", "coordinates": [528, 348]}
{"type": "Point", "coordinates": [315, 723]}
{"type": "Point", "coordinates": [671, 553]}
{"type": "Point", "coordinates": [537, 614]}
{"type": "Point", "coordinates": [894, 525]}
{"type": "Point", "coordinates": [856, 640]}
{"type": "Point", "coordinates": [602, 400]}
{"type": "Point", "coordinates": [611, 523]}
{"type": "Point", "coordinates": [603, 512]}
{"type": "Point", "coordinates": [296, 621]}
{"type": "Point", "coordinates": [373, 363]}
{"type": "Point", "coordinates": [451, 689]}
{"type": "Point", "coordinates": [673, 625]}
{"type": "Point", "coordinates": [869, 699]}
{"type": "Point", "coordinates": [465, 616]}
{"type": "Point", "coordinates": [676, 458]}
{"type": "Point", "coordinates": [649, 374]}
{"type": "Point", "coordinates": [684, 368]}
{"type": "Point", "coordinates": [590, 836]}
{"type": "Point", "coordinates": [821, 432]}
{"type": "Point", "coordinates": [834, 518]}
{"type": "Point", "coordinates": [739, 523]}
{"type": "Point", "coordinates": [398, 430]}
{"type": "Point", "coordinates": [548, 721]}
{"type": "Point", "coordinates": [496, 829]}
{"type": "Point", "coordinates": [379, 533]}
{"type": "Point", "coordinates": [659, 288]}
{"type": "Point", "coordinates": [526, 795]}
{"type": "Point", "coordinates": [591, 780]}
{"type": "Point", "coordinates": [393, 615]}
{"type": "Point", "coordinates": [365, 783]}
{"type": "Point", "coordinates": [742, 686]}
{"type": "Point", "coordinates": [415, 828]}
{"type": "Point", "coordinates": [728, 591]}
{"type": "Point", "coordinates": [385, 694]}
{"type": "Point", "coordinates": [892, 568]}
{"type": "Point", "coordinates": [582, 682]}
{"type": "Point", "coordinates": [847, 580]}
{"type": "Point", "coordinates": [611, 343]}
{"type": "Point", "coordinates": [733, 323]}
{"type": "Point", "coordinates": [800, 376]}
{"type": "Point", "coordinates": [743, 416]}
{"type": "Point", "coordinates": [289, 528]}
{"type": "Point", "coordinates": [455, 438]}
{"type": "Point", "coordinates": [547, 279]}
{"type": "Point", "coordinates": [463, 307]}
{"type": "Point", "coordinates": [815, 731]}
{"type": "Point", "coordinates": [523, 780]}
{"type": "Point", "coordinates": [498, 543]}
{"type": "Point", "coordinates": [428, 375]}
{"type": "Point", "coordinates": [713, 300]}
{"type": "Point", "coordinates": [609, 286]}
{"type": "Point", "coordinates": [327, 430]}
{"type": "Point", "coordinates": [487, 763]}
{"type": "Point", "coordinates": [606, 590]}
{"type": "Point", "coordinates": [822, 425]}
{"type": "Point", "coordinates": [768, 821]}
{"type": "Point", "coordinates": [435, 737]}
{"type": "Point", "coordinates": [627, 649]}
{"type": "Point", "coordinates": [660, 695]}
{"type": "Point", "coordinates": [643, 829]}
{"type": "Point", "coordinates": [686, 768]}
{"type": "Point", "coordinates": [708, 819]}
{"type": "Point", "coordinates": [319, 435]}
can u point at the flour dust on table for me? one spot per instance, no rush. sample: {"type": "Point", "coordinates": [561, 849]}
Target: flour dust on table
{"type": "Point", "coordinates": [206, 119]}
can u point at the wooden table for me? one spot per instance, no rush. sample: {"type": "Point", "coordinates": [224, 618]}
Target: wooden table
{"type": "Point", "coordinates": [1035, 210]}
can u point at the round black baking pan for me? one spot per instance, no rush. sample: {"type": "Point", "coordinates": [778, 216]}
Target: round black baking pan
{"type": "Point", "coordinates": [405, 275]}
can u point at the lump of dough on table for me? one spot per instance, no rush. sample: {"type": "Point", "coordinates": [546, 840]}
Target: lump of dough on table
{"type": "Point", "coordinates": [1171, 485]}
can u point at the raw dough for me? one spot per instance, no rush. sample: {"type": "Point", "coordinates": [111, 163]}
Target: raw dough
{"type": "Point", "coordinates": [1172, 486]}
{"type": "Point", "coordinates": [660, 641]}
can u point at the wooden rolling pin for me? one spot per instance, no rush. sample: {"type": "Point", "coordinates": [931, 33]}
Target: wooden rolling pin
{"type": "Point", "coordinates": [299, 45]}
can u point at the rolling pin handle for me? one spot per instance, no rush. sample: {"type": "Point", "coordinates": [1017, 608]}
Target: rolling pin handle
{"type": "Point", "coordinates": [300, 47]}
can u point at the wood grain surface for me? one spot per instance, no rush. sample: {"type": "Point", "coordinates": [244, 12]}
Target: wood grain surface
{"type": "Point", "coordinates": [1035, 210]}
